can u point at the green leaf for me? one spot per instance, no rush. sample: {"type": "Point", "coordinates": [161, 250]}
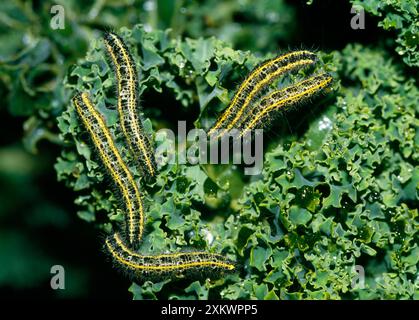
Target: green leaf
{"type": "Point", "coordinates": [299, 216]}
{"type": "Point", "coordinates": [259, 256]}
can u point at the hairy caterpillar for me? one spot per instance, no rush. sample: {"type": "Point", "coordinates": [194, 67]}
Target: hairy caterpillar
{"type": "Point", "coordinates": [284, 99]}
{"type": "Point", "coordinates": [176, 263]}
{"type": "Point", "coordinates": [113, 162]}
{"type": "Point", "coordinates": [128, 102]}
{"type": "Point", "coordinates": [256, 81]}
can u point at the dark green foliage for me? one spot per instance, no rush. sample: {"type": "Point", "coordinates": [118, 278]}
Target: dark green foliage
{"type": "Point", "coordinates": [401, 17]}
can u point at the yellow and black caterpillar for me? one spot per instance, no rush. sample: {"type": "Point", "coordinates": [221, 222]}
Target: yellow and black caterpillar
{"type": "Point", "coordinates": [118, 170]}
{"type": "Point", "coordinates": [140, 265]}
{"type": "Point", "coordinates": [245, 113]}
{"type": "Point", "coordinates": [283, 99]}
{"type": "Point", "coordinates": [128, 102]}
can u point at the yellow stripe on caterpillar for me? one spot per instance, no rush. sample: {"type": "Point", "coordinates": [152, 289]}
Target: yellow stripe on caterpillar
{"type": "Point", "coordinates": [124, 248]}
{"type": "Point", "coordinates": [113, 162]}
